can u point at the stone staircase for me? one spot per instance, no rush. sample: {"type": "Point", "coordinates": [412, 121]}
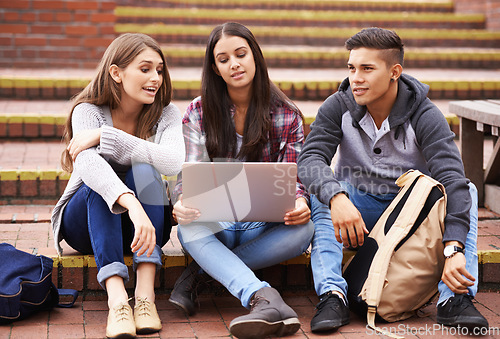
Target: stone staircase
{"type": "Point", "coordinates": [303, 45]}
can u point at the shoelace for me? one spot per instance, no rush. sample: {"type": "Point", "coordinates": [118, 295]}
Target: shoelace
{"type": "Point", "coordinates": [463, 301]}
{"type": "Point", "coordinates": [257, 300]}
{"type": "Point", "coordinates": [143, 307]}
{"type": "Point", "coordinates": [121, 312]}
{"type": "Point", "coordinates": [326, 300]}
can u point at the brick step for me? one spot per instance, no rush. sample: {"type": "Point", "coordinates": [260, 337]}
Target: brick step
{"type": "Point", "coordinates": [336, 57]}
{"type": "Point", "coordinates": [39, 119]}
{"type": "Point", "coordinates": [299, 18]}
{"type": "Point", "coordinates": [303, 84]}
{"type": "Point", "coordinates": [74, 270]}
{"type": "Point", "coordinates": [444, 6]}
{"type": "Point", "coordinates": [318, 36]}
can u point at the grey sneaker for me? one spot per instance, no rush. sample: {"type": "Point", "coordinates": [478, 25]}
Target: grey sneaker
{"type": "Point", "coordinates": [187, 287]}
{"type": "Point", "coordinates": [269, 315]}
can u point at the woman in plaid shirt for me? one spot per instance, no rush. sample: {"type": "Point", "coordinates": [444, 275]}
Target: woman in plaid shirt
{"type": "Point", "coordinates": [241, 116]}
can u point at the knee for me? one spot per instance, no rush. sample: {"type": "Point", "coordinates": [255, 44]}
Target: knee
{"type": "Point", "coordinates": [187, 236]}
{"type": "Point", "coordinates": [472, 190]}
{"type": "Point", "coordinates": [141, 169]}
{"type": "Point", "coordinates": [308, 230]}
{"type": "Point", "coordinates": [319, 211]}
{"type": "Point", "coordinates": [307, 233]}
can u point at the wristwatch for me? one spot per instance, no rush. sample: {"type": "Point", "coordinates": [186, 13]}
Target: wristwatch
{"type": "Point", "coordinates": [450, 250]}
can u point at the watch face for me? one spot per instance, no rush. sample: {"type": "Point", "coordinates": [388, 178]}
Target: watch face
{"type": "Point", "coordinates": [449, 250]}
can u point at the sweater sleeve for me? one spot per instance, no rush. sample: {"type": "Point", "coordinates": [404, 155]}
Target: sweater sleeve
{"type": "Point", "coordinates": [321, 145]}
{"type": "Point", "coordinates": [445, 165]}
{"type": "Point", "coordinates": [166, 153]}
{"type": "Point", "coordinates": [94, 170]}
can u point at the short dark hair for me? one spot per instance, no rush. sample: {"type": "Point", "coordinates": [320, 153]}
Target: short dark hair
{"type": "Point", "coordinates": [380, 39]}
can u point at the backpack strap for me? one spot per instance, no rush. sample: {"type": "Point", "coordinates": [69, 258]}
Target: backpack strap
{"type": "Point", "coordinates": [67, 292]}
{"type": "Point", "coordinates": [408, 177]}
{"type": "Point", "coordinates": [372, 311]}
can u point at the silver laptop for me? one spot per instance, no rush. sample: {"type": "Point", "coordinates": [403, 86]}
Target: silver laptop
{"type": "Point", "coordinates": [239, 191]}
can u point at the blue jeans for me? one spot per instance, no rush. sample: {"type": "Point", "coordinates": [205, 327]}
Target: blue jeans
{"type": "Point", "coordinates": [230, 251]}
{"type": "Point", "coordinates": [89, 227]}
{"type": "Point", "coordinates": [326, 255]}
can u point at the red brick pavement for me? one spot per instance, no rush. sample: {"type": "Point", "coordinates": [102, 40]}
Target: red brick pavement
{"type": "Point", "coordinates": [87, 319]}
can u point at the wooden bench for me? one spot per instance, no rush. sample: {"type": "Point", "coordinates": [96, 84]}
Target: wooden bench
{"type": "Point", "coordinates": [476, 118]}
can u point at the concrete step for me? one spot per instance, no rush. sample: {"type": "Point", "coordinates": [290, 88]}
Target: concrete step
{"type": "Point", "coordinates": [298, 18]}
{"type": "Point", "coordinates": [74, 270]}
{"type": "Point", "coordinates": [317, 36]}
{"type": "Point", "coordinates": [440, 6]}
{"type": "Point", "coordinates": [182, 55]}
{"type": "Point", "coordinates": [298, 84]}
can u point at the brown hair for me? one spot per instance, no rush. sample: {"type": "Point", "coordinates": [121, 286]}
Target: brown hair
{"type": "Point", "coordinates": [103, 90]}
{"type": "Point", "coordinates": [388, 42]}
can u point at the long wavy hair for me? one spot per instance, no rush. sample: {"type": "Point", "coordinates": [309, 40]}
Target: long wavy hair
{"type": "Point", "coordinates": [216, 104]}
{"type": "Point", "coordinates": [103, 90]}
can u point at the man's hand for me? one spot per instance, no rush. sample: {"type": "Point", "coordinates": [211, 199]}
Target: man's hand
{"type": "Point", "coordinates": [455, 276]}
{"type": "Point", "coordinates": [300, 214]}
{"type": "Point", "coordinates": [347, 221]}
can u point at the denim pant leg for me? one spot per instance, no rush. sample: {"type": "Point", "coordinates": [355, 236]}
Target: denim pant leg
{"type": "Point", "coordinates": [148, 186]}
{"type": "Point", "coordinates": [471, 264]}
{"type": "Point", "coordinates": [89, 227]}
{"type": "Point", "coordinates": [272, 244]}
{"type": "Point", "coordinates": [257, 245]}
{"type": "Point", "coordinates": [216, 259]}
{"type": "Point", "coordinates": [326, 255]}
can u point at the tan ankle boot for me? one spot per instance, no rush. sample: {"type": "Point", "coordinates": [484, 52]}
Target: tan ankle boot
{"type": "Point", "coordinates": [120, 322]}
{"type": "Point", "coordinates": [146, 317]}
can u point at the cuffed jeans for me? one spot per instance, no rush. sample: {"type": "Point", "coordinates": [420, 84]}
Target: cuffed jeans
{"type": "Point", "coordinates": [90, 227]}
{"type": "Point", "coordinates": [230, 251]}
{"type": "Point", "coordinates": [326, 254]}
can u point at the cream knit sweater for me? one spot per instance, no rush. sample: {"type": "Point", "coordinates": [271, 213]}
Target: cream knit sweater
{"type": "Point", "coordinates": [165, 151]}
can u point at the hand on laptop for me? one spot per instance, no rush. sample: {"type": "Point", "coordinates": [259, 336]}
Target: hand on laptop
{"type": "Point", "coordinates": [300, 215]}
{"type": "Point", "coordinates": [184, 215]}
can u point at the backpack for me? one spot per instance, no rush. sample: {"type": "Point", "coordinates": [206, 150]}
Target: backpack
{"type": "Point", "coordinates": [397, 270]}
{"type": "Point", "coordinates": [26, 285]}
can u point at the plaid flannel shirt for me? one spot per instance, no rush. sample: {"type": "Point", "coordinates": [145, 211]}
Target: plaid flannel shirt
{"type": "Point", "coordinates": [286, 138]}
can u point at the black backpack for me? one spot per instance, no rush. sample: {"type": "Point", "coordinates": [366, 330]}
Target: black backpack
{"type": "Point", "coordinates": [26, 285]}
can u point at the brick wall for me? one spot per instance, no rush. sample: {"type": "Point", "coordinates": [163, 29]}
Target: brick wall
{"type": "Point", "coordinates": [55, 33]}
{"type": "Point", "coordinates": [493, 15]}
{"type": "Point", "coordinates": [491, 8]}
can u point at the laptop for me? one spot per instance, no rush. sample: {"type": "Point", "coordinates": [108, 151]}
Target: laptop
{"type": "Point", "coordinates": [239, 191]}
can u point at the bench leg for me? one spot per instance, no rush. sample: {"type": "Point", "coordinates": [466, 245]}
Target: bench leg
{"type": "Point", "coordinates": [471, 148]}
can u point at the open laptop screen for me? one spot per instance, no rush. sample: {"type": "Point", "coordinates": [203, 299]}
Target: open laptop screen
{"type": "Point", "coordinates": [240, 191]}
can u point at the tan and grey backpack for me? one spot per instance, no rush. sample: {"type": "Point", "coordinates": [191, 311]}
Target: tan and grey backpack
{"type": "Point", "coordinates": [397, 270]}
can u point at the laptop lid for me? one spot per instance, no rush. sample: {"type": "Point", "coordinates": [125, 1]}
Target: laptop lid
{"type": "Point", "coordinates": [239, 191]}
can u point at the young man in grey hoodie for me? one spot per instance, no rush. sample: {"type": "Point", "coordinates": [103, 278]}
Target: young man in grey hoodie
{"type": "Point", "coordinates": [380, 124]}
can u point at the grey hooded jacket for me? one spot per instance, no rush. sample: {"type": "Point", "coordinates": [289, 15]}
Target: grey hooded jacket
{"type": "Point", "coordinates": [419, 138]}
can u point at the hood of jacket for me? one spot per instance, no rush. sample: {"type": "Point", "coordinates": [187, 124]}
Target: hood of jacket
{"type": "Point", "coordinates": [411, 93]}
